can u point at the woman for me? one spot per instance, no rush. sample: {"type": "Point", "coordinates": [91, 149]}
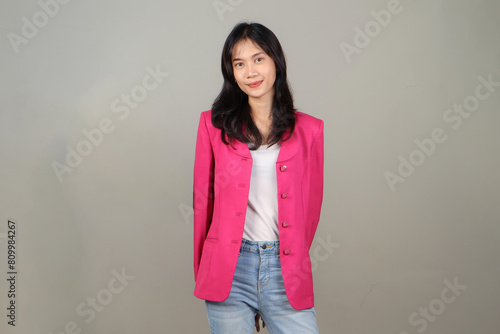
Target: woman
{"type": "Point", "coordinates": [258, 190]}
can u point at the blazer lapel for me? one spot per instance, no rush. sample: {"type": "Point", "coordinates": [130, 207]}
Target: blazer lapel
{"type": "Point", "coordinates": [287, 150]}
{"type": "Point", "coordinates": [288, 147]}
{"type": "Point", "coordinates": [240, 148]}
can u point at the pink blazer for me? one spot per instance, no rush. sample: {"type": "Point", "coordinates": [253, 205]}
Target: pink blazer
{"type": "Point", "coordinates": [220, 197]}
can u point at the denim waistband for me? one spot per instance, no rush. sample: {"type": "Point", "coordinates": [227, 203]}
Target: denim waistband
{"type": "Point", "coordinates": [260, 247]}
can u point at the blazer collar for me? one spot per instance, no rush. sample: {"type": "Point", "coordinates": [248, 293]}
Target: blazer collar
{"type": "Point", "coordinates": [287, 150]}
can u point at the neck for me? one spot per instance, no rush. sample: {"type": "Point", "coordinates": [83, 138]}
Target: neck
{"type": "Point", "coordinates": [261, 109]}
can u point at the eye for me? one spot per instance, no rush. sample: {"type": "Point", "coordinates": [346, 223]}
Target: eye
{"type": "Point", "coordinates": [258, 60]}
{"type": "Point", "coordinates": [238, 64]}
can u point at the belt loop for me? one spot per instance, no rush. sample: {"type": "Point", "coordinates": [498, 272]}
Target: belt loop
{"type": "Point", "coordinates": [241, 246]}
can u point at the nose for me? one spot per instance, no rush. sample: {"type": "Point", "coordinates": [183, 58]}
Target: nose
{"type": "Point", "coordinates": [251, 72]}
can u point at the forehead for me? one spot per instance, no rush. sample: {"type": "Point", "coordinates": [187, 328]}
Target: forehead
{"type": "Point", "coordinates": [245, 49]}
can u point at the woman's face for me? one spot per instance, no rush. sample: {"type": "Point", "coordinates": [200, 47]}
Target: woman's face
{"type": "Point", "coordinates": [254, 71]}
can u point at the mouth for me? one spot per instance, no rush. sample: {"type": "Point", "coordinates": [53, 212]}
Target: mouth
{"type": "Point", "coordinates": [255, 84]}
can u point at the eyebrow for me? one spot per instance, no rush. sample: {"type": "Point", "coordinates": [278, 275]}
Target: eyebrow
{"type": "Point", "coordinates": [258, 53]}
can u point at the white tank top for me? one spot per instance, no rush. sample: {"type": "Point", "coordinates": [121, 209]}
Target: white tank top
{"type": "Point", "coordinates": [261, 222]}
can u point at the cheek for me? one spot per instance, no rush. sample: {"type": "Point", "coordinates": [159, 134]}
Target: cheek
{"type": "Point", "coordinates": [272, 76]}
{"type": "Point", "coordinates": [271, 73]}
{"type": "Point", "coordinates": [238, 82]}
{"type": "Point", "coordinates": [237, 77]}
{"type": "Point", "coordinates": [240, 85]}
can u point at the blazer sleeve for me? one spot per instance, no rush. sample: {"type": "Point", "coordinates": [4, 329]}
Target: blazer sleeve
{"type": "Point", "coordinates": [202, 190]}
{"type": "Point", "coordinates": [315, 198]}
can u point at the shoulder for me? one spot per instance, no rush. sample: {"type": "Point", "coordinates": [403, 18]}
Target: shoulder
{"type": "Point", "coordinates": [308, 123]}
{"type": "Point", "coordinates": [206, 118]}
{"type": "Point", "coordinates": [206, 115]}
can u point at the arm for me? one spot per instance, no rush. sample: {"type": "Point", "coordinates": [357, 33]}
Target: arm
{"type": "Point", "coordinates": [316, 182]}
{"type": "Point", "coordinates": [202, 190]}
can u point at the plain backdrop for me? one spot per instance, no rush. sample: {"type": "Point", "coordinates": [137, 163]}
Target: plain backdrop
{"type": "Point", "coordinates": [96, 159]}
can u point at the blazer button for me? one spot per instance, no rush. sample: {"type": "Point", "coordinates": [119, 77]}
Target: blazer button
{"type": "Point", "coordinates": [285, 224]}
{"type": "Point", "coordinates": [283, 168]}
{"type": "Point", "coordinates": [284, 195]}
{"type": "Point", "coordinates": [286, 252]}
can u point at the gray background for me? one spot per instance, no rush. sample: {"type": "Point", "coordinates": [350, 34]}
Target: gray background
{"type": "Point", "coordinates": [126, 205]}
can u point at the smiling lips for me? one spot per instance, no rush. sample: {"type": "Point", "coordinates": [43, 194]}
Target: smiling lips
{"type": "Point", "coordinates": [255, 84]}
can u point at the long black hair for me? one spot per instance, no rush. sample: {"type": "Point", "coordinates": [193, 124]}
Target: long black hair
{"type": "Point", "coordinates": [231, 111]}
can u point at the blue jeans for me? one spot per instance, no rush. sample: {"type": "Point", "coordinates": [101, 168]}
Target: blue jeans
{"type": "Point", "coordinates": [258, 287]}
